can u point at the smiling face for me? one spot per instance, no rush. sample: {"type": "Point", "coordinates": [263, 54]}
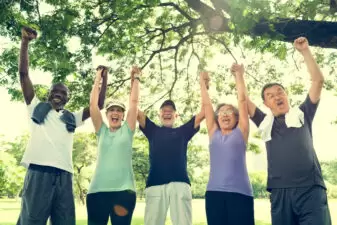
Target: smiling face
{"type": "Point", "coordinates": [276, 99]}
{"type": "Point", "coordinates": [115, 116]}
{"type": "Point", "coordinates": [167, 116]}
{"type": "Point", "coordinates": [58, 96]}
{"type": "Point", "coordinates": [227, 117]}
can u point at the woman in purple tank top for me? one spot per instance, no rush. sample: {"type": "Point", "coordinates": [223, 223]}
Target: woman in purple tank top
{"type": "Point", "coordinates": [229, 198]}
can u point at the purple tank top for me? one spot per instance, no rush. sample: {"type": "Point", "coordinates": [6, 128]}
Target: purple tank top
{"type": "Point", "coordinates": [228, 163]}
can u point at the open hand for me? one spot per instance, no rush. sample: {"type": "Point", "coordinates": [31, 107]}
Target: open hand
{"type": "Point", "coordinates": [28, 33]}
{"type": "Point", "coordinates": [301, 44]}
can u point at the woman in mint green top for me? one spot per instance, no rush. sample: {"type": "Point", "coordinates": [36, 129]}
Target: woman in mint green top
{"type": "Point", "coordinates": [112, 188]}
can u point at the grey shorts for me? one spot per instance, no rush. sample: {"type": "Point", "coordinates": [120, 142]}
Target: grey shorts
{"type": "Point", "coordinates": [47, 192]}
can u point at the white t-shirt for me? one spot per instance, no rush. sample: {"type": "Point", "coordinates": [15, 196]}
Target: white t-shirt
{"type": "Point", "coordinates": [50, 143]}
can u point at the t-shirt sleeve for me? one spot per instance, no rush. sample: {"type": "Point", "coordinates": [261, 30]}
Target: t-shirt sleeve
{"type": "Point", "coordinates": [128, 129]}
{"type": "Point", "coordinates": [188, 129]}
{"type": "Point", "coordinates": [309, 108]}
{"type": "Point", "coordinates": [149, 128]}
{"type": "Point", "coordinates": [32, 105]}
{"type": "Point", "coordinates": [101, 130]}
{"type": "Point", "coordinates": [258, 117]}
{"type": "Point", "coordinates": [78, 118]}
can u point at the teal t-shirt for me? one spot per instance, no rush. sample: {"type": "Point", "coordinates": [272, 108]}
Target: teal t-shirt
{"type": "Point", "coordinates": [114, 163]}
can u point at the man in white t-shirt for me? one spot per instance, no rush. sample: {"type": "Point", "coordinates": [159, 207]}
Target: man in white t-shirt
{"type": "Point", "coordinates": [47, 190]}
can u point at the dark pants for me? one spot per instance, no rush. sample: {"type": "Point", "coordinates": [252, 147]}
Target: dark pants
{"type": "Point", "coordinates": [101, 205]}
{"type": "Point", "coordinates": [300, 206]}
{"type": "Point", "coordinates": [47, 192]}
{"type": "Point", "coordinates": [227, 208]}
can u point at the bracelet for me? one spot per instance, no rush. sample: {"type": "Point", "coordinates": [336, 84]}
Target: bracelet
{"type": "Point", "coordinates": [137, 78]}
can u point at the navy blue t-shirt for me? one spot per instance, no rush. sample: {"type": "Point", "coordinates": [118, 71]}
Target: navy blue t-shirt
{"type": "Point", "coordinates": [292, 160]}
{"type": "Point", "coordinates": [168, 152]}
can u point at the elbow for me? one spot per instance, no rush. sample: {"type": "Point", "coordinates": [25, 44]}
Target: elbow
{"type": "Point", "coordinates": [242, 98]}
{"type": "Point", "coordinates": [134, 102]}
{"type": "Point", "coordinates": [319, 82]}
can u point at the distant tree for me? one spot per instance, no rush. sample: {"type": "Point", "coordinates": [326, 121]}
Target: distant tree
{"type": "Point", "coordinates": [329, 169]}
{"type": "Point", "coordinates": [17, 147]}
{"type": "Point", "coordinates": [84, 155]}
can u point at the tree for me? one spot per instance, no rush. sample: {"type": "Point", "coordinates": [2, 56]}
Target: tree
{"type": "Point", "coordinates": [17, 147]}
{"type": "Point", "coordinates": [11, 176]}
{"type": "Point", "coordinates": [171, 39]}
{"type": "Point", "coordinates": [84, 155]}
{"type": "Point", "coordinates": [329, 169]}
{"type": "Point", "coordinates": [140, 162]}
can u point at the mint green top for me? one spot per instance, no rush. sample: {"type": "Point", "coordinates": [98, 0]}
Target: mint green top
{"type": "Point", "coordinates": [114, 163]}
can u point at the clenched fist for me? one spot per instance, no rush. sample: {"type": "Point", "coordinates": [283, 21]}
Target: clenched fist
{"type": "Point", "coordinates": [237, 69]}
{"type": "Point", "coordinates": [301, 44]}
{"type": "Point", "coordinates": [28, 33]}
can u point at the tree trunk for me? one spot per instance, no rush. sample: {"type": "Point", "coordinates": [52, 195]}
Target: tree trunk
{"type": "Point", "coordinates": [319, 33]}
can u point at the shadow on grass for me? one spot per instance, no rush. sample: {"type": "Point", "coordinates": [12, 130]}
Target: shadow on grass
{"type": "Point", "coordinates": [135, 221]}
{"type": "Point", "coordinates": [140, 221]}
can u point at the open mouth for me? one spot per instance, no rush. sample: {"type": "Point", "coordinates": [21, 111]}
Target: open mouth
{"type": "Point", "coordinates": [279, 103]}
{"type": "Point", "coordinates": [57, 100]}
{"type": "Point", "coordinates": [114, 119]}
{"type": "Point", "coordinates": [226, 121]}
{"type": "Point", "coordinates": [167, 117]}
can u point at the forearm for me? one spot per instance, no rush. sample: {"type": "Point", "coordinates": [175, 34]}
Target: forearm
{"type": "Point", "coordinates": [134, 95]}
{"type": "Point", "coordinates": [206, 107]}
{"type": "Point", "coordinates": [95, 94]}
{"type": "Point", "coordinates": [313, 68]}
{"type": "Point", "coordinates": [26, 83]}
{"type": "Point", "coordinates": [205, 99]}
{"type": "Point", "coordinates": [102, 92]}
{"type": "Point", "coordinates": [23, 62]}
{"type": "Point", "coordinates": [241, 88]}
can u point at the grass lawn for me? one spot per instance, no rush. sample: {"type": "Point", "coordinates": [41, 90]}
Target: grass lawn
{"type": "Point", "coordinates": [9, 211]}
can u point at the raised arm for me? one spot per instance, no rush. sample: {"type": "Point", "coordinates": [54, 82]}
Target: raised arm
{"type": "Point", "coordinates": [317, 79]}
{"type": "Point", "coordinates": [27, 34]}
{"type": "Point", "coordinates": [207, 104]}
{"type": "Point", "coordinates": [95, 113]}
{"type": "Point", "coordinates": [102, 92]}
{"type": "Point", "coordinates": [141, 117]}
{"type": "Point", "coordinates": [238, 71]}
{"type": "Point", "coordinates": [251, 107]}
{"type": "Point", "coordinates": [131, 117]}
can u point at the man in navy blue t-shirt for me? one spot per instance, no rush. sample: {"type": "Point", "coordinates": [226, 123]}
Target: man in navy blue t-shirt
{"type": "Point", "coordinates": [295, 181]}
{"type": "Point", "coordinates": [168, 183]}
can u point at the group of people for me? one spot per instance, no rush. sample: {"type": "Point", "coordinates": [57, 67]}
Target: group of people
{"type": "Point", "coordinates": [297, 190]}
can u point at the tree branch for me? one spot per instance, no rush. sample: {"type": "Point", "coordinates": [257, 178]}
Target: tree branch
{"type": "Point", "coordinates": [175, 72]}
{"type": "Point", "coordinates": [319, 33]}
{"type": "Point", "coordinates": [181, 41]}
{"type": "Point", "coordinates": [160, 98]}
{"type": "Point", "coordinates": [226, 47]}
{"type": "Point", "coordinates": [182, 12]}
{"type": "Point", "coordinates": [221, 5]}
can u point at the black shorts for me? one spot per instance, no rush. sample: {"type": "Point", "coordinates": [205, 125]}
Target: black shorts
{"type": "Point", "coordinates": [102, 205]}
{"type": "Point", "coordinates": [229, 208]}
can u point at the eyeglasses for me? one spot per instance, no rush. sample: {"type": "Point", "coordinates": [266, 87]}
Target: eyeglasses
{"type": "Point", "coordinates": [225, 112]}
